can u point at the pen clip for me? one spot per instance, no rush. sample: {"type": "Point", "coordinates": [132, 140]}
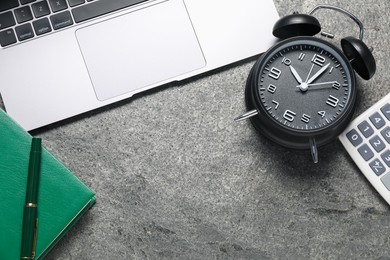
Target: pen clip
{"type": "Point", "coordinates": [35, 239]}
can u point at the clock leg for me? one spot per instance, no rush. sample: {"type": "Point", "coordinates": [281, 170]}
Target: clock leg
{"type": "Point", "coordinates": [314, 150]}
{"type": "Point", "coordinates": [246, 115]}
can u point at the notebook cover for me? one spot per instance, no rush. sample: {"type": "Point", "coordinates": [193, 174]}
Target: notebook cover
{"type": "Point", "coordinates": [62, 197]}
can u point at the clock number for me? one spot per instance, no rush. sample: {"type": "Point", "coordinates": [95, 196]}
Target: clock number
{"type": "Point", "coordinates": [276, 104]}
{"type": "Point", "coordinates": [319, 60]}
{"type": "Point", "coordinates": [301, 56]}
{"type": "Point", "coordinates": [336, 85]}
{"type": "Point", "coordinates": [286, 61]}
{"type": "Point", "coordinates": [274, 73]}
{"type": "Point", "coordinates": [289, 115]}
{"type": "Point", "coordinates": [305, 118]}
{"type": "Point", "coordinates": [271, 88]}
{"type": "Point", "coordinates": [322, 113]}
{"type": "Point", "coordinates": [332, 101]}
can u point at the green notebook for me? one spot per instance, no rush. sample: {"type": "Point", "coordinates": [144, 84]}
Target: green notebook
{"type": "Point", "coordinates": [62, 197]}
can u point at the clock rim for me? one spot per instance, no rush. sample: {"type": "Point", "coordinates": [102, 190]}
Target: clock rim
{"type": "Point", "coordinates": [257, 68]}
{"type": "Point", "coordinates": [289, 137]}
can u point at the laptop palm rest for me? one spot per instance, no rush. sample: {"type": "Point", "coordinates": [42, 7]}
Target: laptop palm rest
{"type": "Point", "coordinates": [137, 50]}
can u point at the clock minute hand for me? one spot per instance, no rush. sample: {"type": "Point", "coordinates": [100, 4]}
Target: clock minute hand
{"type": "Point", "coordinates": [296, 75]}
{"type": "Point", "coordinates": [322, 83]}
{"type": "Point", "coordinates": [315, 76]}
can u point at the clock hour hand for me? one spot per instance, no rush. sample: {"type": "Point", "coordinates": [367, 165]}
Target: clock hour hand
{"type": "Point", "coordinates": [315, 76]}
{"type": "Point", "coordinates": [296, 75]}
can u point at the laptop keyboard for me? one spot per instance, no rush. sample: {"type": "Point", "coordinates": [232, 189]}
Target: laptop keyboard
{"type": "Point", "coordinates": [21, 20]}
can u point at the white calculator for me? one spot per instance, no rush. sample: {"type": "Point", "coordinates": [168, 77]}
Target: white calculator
{"type": "Point", "coordinates": [367, 140]}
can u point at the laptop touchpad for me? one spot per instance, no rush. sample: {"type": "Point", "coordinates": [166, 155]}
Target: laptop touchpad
{"type": "Point", "coordinates": [136, 50]}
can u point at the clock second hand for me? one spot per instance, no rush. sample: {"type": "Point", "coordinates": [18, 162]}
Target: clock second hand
{"type": "Point", "coordinates": [303, 86]}
{"type": "Point", "coordinates": [311, 69]}
{"type": "Point", "coordinates": [315, 76]}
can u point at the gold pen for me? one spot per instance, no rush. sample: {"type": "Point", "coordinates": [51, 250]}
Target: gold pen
{"type": "Point", "coordinates": [30, 216]}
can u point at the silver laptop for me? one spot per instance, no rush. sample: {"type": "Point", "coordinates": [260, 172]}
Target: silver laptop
{"type": "Point", "coordinates": [60, 58]}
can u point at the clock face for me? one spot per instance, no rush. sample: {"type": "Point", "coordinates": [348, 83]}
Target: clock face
{"type": "Point", "coordinates": [305, 84]}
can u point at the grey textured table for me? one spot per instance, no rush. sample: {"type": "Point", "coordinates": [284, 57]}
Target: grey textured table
{"type": "Point", "coordinates": [176, 178]}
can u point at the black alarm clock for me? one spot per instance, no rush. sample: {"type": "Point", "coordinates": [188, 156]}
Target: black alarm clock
{"type": "Point", "coordinates": [301, 93]}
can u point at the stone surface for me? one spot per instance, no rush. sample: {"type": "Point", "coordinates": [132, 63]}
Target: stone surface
{"type": "Point", "coordinates": [176, 178]}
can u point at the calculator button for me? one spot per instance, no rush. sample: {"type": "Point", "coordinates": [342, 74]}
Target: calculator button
{"type": "Point", "coordinates": [366, 152]}
{"type": "Point", "coordinates": [377, 120]}
{"type": "Point", "coordinates": [386, 111]}
{"type": "Point", "coordinates": [377, 143]}
{"type": "Point", "coordinates": [386, 134]}
{"type": "Point", "coordinates": [386, 180]}
{"type": "Point", "coordinates": [366, 129]}
{"type": "Point", "coordinates": [354, 137]}
{"type": "Point", "coordinates": [386, 157]}
{"type": "Point", "coordinates": [377, 167]}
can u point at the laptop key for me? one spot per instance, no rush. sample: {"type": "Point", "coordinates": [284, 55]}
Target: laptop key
{"type": "Point", "coordinates": [58, 5]}
{"type": "Point", "coordinates": [40, 9]}
{"type": "Point", "coordinates": [23, 2]}
{"type": "Point", "coordinates": [42, 26]}
{"type": "Point", "coordinates": [8, 4]}
{"type": "Point", "coordinates": [6, 20]}
{"type": "Point", "coordinates": [24, 32]}
{"type": "Point", "coordinates": [61, 20]}
{"type": "Point", "coordinates": [101, 7]}
{"type": "Point", "coordinates": [75, 2]}
{"type": "Point", "coordinates": [23, 14]}
{"type": "Point", "coordinates": [7, 37]}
